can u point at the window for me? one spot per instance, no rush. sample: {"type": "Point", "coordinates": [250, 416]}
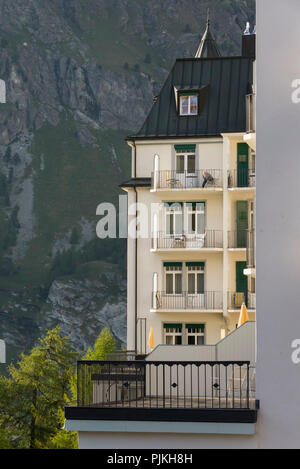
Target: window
{"type": "Point", "coordinates": [195, 334]}
{"type": "Point", "coordinates": [185, 162]}
{"type": "Point", "coordinates": [173, 279]}
{"type": "Point", "coordinates": [188, 104]}
{"type": "Point", "coordinates": [173, 334]}
{"type": "Point", "coordinates": [180, 334]}
{"type": "Point", "coordinates": [195, 279]}
{"type": "Point", "coordinates": [174, 218]}
{"type": "Point", "coordinates": [196, 218]}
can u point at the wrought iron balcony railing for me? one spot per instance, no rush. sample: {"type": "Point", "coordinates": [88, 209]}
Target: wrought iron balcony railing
{"type": "Point", "coordinates": [207, 301]}
{"type": "Point", "coordinates": [238, 178]}
{"type": "Point", "coordinates": [211, 239]}
{"type": "Point", "coordinates": [187, 180]}
{"type": "Point", "coordinates": [235, 300]}
{"type": "Point", "coordinates": [237, 239]}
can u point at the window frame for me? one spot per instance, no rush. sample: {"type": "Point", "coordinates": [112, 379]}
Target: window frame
{"type": "Point", "coordinates": [188, 96]}
{"type": "Point", "coordinates": [173, 212]}
{"type": "Point", "coordinates": [195, 271]}
{"type": "Point", "coordinates": [186, 155]}
{"type": "Point", "coordinates": [173, 334]}
{"type": "Point", "coordinates": [195, 209]}
{"type": "Point", "coordinates": [195, 334]}
{"type": "Point", "coordinates": [174, 271]}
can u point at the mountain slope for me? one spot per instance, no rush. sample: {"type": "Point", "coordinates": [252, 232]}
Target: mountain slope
{"type": "Point", "coordinates": [80, 76]}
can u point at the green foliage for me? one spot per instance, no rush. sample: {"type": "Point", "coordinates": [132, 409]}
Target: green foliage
{"type": "Point", "coordinates": [4, 440]}
{"type": "Point", "coordinates": [104, 345]}
{"type": "Point", "coordinates": [148, 59]}
{"type": "Point", "coordinates": [33, 396]}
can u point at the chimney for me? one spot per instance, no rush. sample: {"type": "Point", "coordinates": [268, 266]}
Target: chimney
{"type": "Point", "coordinates": [249, 42]}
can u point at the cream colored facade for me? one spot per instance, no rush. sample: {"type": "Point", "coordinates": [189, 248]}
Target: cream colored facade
{"type": "Point", "coordinates": [218, 305]}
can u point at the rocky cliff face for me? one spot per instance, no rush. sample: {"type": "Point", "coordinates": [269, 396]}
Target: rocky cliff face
{"type": "Point", "coordinates": [80, 75]}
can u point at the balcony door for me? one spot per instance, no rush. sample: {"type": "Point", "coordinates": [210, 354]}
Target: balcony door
{"type": "Point", "coordinates": [186, 169]}
{"type": "Point", "coordinates": [173, 298]}
{"type": "Point", "coordinates": [195, 280]}
{"type": "Point", "coordinates": [195, 229]}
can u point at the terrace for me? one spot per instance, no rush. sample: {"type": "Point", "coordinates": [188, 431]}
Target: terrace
{"type": "Point", "coordinates": [165, 391]}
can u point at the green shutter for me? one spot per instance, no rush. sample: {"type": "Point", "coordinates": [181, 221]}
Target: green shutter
{"type": "Point", "coordinates": [172, 326]}
{"type": "Point", "coordinates": [242, 164]}
{"type": "Point", "coordinates": [172, 264]}
{"type": "Point", "coordinates": [196, 326]}
{"type": "Point", "coordinates": [185, 148]}
{"type": "Point", "coordinates": [241, 223]}
{"type": "Point", "coordinates": [195, 264]}
{"type": "Point", "coordinates": [241, 279]}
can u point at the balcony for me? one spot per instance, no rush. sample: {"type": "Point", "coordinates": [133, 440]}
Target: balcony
{"type": "Point", "coordinates": [237, 239]}
{"type": "Point", "coordinates": [202, 302]}
{"type": "Point", "coordinates": [195, 391]}
{"type": "Point", "coordinates": [236, 299]}
{"type": "Point", "coordinates": [173, 180]}
{"type": "Point", "coordinates": [212, 239]}
{"type": "Point", "coordinates": [241, 179]}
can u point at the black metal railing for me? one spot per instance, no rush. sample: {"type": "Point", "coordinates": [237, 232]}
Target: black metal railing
{"type": "Point", "coordinates": [236, 299]}
{"type": "Point", "coordinates": [251, 113]}
{"type": "Point", "coordinates": [168, 385]}
{"type": "Point", "coordinates": [241, 178]}
{"type": "Point", "coordinates": [211, 239]}
{"type": "Point", "coordinates": [237, 239]}
{"type": "Point", "coordinates": [187, 180]}
{"type": "Point", "coordinates": [251, 251]}
{"type": "Point", "coordinates": [207, 301]}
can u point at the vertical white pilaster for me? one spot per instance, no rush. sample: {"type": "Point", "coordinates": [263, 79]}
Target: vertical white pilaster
{"type": "Point", "coordinates": [131, 275]}
{"type": "Point", "coordinates": [226, 156]}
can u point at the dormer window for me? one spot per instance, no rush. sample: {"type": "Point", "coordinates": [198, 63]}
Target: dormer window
{"type": "Point", "coordinates": [188, 104]}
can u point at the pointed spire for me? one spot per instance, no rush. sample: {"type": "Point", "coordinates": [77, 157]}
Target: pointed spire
{"type": "Point", "coordinates": [208, 46]}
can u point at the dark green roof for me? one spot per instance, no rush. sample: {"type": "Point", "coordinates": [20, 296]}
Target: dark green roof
{"type": "Point", "coordinates": [137, 182]}
{"type": "Point", "coordinates": [223, 83]}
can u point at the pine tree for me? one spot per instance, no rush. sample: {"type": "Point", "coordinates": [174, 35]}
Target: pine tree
{"type": "Point", "coordinates": [105, 344]}
{"type": "Point", "coordinates": [33, 397]}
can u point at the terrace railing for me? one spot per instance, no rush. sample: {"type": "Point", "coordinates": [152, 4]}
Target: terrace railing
{"type": "Point", "coordinates": [165, 385]}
